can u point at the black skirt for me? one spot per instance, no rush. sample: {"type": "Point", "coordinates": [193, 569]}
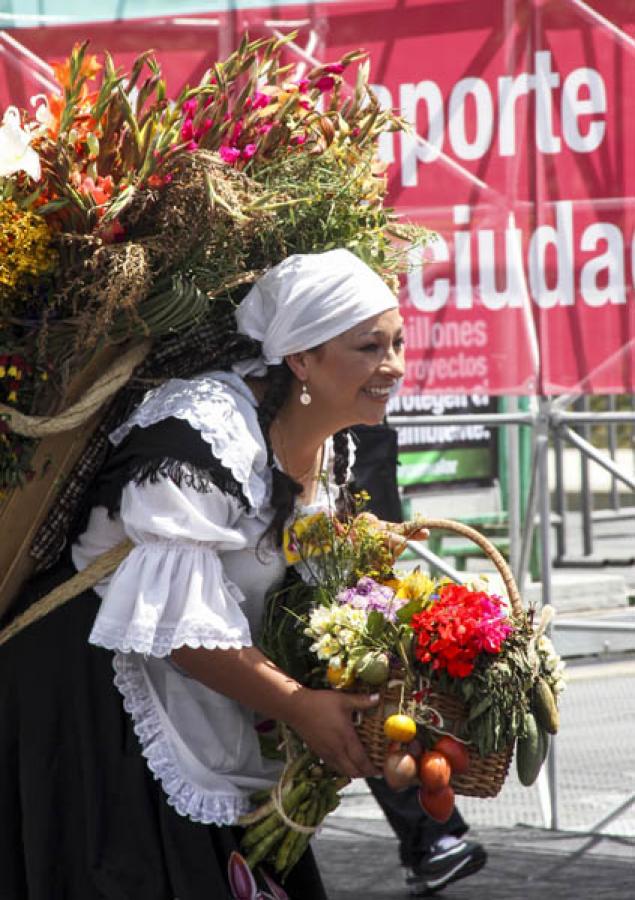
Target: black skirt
{"type": "Point", "coordinates": [82, 817]}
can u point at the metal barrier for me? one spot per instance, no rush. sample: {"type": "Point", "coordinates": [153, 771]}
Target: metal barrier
{"type": "Point", "coordinates": [551, 419]}
{"type": "Point", "coordinates": [615, 511]}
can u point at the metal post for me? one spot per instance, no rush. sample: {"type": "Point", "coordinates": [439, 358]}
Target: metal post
{"type": "Point", "coordinates": [530, 514]}
{"type": "Point", "coordinates": [585, 488]}
{"type": "Point", "coordinates": [513, 489]}
{"type": "Point", "coordinates": [561, 497]}
{"type": "Point", "coordinates": [612, 445]}
{"type": "Point", "coordinates": [544, 505]}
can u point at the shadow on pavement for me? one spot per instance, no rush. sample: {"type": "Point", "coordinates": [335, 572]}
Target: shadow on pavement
{"type": "Point", "coordinates": [524, 863]}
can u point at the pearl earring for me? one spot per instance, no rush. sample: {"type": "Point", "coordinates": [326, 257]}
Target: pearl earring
{"type": "Point", "coordinates": [305, 397]}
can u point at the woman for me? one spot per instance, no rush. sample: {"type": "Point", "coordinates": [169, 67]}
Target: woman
{"type": "Point", "coordinates": [203, 477]}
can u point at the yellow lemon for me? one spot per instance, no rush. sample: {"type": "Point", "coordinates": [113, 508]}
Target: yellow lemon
{"type": "Point", "coordinates": [399, 727]}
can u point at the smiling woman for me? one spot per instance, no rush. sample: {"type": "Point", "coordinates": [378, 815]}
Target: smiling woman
{"type": "Point", "coordinates": [202, 476]}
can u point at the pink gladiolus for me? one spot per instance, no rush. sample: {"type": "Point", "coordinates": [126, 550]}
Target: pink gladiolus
{"type": "Point", "coordinates": [265, 128]}
{"type": "Point", "coordinates": [260, 100]}
{"type": "Point", "coordinates": [229, 154]}
{"type": "Point", "coordinates": [187, 130]}
{"type": "Point", "coordinates": [238, 127]}
{"type": "Point", "coordinates": [305, 104]}
{"type": "Point", "coordinates": [298, 139]}
{"type": "Point", "coordinates": [206, 124]}
{"type": "Point", "coordinates": [191, 147]}
{"type": "Point", "coordinates": [167, 178]}
{"type": "Point", "coordinates": [249, 151]}
{"type": "Point", "coordinates": [190, 107]}
{"type": "Point", "coordinates": [303, 84]}
{"type": "Point", "coordinates": [334, 68]}
{"type": "Point", "coordinates": [325, 83]}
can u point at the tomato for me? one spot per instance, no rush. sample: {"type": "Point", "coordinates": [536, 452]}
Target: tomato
{"type": "Point", "coordinates": [400, 770]}
{"type": "Point", "coordinates": [434, 771]}
{"type": "Point", "coordinates": [456, 753]}
{"type": "Point", "coordinates": [400, 728]}
{"type": "Point", "coordinates": [437, 804]}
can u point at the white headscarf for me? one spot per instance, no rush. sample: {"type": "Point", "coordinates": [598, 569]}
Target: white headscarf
{"type": "Point", "coordinates": [308, 299]}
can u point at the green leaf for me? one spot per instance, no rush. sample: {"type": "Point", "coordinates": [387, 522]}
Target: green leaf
{"type": "Point", "coordinates": [376, 623]}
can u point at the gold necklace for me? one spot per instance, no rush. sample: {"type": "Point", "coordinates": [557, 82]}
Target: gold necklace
{"type": "Point", "coordinates": [317, 462]}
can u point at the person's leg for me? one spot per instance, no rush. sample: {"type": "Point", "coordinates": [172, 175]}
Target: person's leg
{"type": "Point", "coordinates": [415, 830]}
{"type": "Point", "coordinates": [433, 853]}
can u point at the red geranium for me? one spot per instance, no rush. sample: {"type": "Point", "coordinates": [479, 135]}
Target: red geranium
{"type": "Point", "coordinates": [457, 627]}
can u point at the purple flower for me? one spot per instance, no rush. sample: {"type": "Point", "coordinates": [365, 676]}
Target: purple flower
{"type": "Point", "coordinates": [369, 595]}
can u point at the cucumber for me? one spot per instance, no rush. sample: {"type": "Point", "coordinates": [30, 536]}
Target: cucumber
{"type": "Point", "coordinates": [544, 707]}
{"type": "Point", "coordinates": [531, 751]}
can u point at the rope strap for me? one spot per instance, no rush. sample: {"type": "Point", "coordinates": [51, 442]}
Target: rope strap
{"type": "Point", "coordinates": [103, 389]}
{"type": "Point", "coordinates": [90, 576]}
{"type": "Point", "coordinates": [276, 796]}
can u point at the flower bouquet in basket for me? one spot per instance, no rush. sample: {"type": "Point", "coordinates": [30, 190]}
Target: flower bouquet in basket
{"type": "Point", "coordinates": [463, 675]}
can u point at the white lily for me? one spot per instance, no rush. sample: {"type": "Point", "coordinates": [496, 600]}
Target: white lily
{"type": "Point", "coordinates": [16, 153]}
{"type": "Point", "coordinates": [43, 113]}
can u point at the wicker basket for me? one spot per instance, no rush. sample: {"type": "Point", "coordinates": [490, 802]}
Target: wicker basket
{"type": "Point", "coordinates": [486, 774]}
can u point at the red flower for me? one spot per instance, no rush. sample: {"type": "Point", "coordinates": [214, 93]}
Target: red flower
{"type": "Point", "coordinates": [459, 626]}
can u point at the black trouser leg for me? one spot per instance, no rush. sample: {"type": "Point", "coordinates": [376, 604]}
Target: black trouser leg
{"type": "Point", "coordinates": [415, 830]}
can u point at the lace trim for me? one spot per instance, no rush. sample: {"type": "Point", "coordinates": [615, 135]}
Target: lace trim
{"type": "Point", "coordinates": [188, 799]}
{"type": "Point", "coordinates": [219, 407]}
{"type": "Point", "coordinates": [161, 640]}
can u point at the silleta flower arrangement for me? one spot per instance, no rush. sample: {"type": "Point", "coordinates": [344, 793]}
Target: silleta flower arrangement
{"type": "Point", "coordinates": [126, 214]}
{"type": "Point", "coordinates": [462, 677]}
{"type": "Point", "coordinates": [132, 223]}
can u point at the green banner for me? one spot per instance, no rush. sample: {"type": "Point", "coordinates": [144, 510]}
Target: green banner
{"type": "Point", "coordinates": [419, 467]}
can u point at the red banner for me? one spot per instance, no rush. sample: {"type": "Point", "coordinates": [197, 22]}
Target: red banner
{"type": "Point", "coordinates": [520, 158]}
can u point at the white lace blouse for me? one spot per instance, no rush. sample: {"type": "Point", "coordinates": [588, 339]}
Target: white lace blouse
{"type": "Point", "coordinates": [193, 578]}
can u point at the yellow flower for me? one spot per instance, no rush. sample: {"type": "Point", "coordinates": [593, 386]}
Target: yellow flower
{"type": "Point", "coordinates": [295, 537]}
{"type": "Point", "coordinates": [415, 586]}
{"type": "Point", "coordinates": [3, 371]}
{"type": "Point", "coordinates": [12, 397]}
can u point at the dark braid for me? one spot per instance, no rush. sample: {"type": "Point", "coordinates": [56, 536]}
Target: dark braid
{"type": "Point", "coordinates": [284, 489]}
{"type": "Point", "coordinates": [344, 502]}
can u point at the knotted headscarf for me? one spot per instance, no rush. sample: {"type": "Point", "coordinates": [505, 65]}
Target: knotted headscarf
{"type": "Point", "coordinates": [308, 299]}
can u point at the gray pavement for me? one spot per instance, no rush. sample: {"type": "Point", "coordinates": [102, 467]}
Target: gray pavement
{"type": "Point", "coordinates": [361, 863]}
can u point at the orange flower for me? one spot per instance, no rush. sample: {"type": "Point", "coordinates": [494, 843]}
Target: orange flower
{"type": "Point", "coordinates": [89, 69]}
{"type": "Point", "coordinates": [100, 190]}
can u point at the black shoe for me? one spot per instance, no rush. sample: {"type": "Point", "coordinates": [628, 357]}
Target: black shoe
{"type": "Point", "coordinates": [440, 867]}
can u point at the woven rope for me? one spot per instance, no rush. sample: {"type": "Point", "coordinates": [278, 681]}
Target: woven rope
{"type": "Point", "coordinates": [90, 576]}
{"type": "Point", "coordinates": [101, 391]}
{"type": "Point", "coordinates": [276, 796]}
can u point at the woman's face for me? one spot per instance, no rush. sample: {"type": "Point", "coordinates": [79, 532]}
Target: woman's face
{"type": "Point", "coordinates": [351, 375]}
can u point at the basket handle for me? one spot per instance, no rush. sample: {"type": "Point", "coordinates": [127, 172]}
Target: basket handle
{"type": "Point", "coordinates": [411, 528]}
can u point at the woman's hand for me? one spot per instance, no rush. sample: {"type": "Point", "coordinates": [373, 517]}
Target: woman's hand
{"type": "Point", "coordinates": [396, 534]}
{"type": "Point", "coordinates": [324, 720]}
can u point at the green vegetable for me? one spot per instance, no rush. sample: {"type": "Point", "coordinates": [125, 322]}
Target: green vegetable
{"type": "Point", "coordinates": [531, 751]}
{"type": "Point", "coordinates": [544, 707]}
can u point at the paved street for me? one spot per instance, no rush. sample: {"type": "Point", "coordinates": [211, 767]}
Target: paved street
{"type": "Point", "coordinates": [590, 855]}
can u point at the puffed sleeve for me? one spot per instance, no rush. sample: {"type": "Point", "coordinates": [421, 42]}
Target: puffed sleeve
{"type": "Point", "coordinates": [171, 590]}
